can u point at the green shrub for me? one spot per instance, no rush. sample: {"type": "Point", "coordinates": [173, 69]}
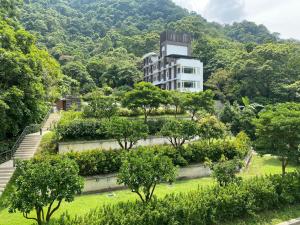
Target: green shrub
{"type": "Point", "coordinates": [48, 144]}
{"type": "Point", "coordinates": [196, 152]}
{"type": "Point", "coordinates": [97, 162]}
{"type": "Point", "coordinates": [202, 207]}
{"type": "Point", "coordinates": [82, 129]}
{"type": "Point", "coordinates": [155, 125]}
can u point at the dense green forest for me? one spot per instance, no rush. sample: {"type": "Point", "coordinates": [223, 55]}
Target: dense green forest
{"type": "Point", "coordinates": [98, 43]}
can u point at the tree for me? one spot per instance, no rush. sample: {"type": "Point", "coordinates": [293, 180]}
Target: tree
{"type": "Point", "coordinates": [77, 71]}
{"type": "Point", "coordinates": [211, 128]}
{"type": "Point", "coordinates": [225, 170]}
{"type": "Point", "coordinates": [176, 100]}
{"type": "Point", "coordinates": [145, 96]}
{"type": "Point", "coordinates": [239, 118]}
{"type": "Point", "coordinates": [127, 132]}
{"type": "Point", "coordinates": [178, 131]}
{"type": "Point", "coordinates": [142, 170]}
{"type": "Point", "coordinates": [42, 185]}
{"type": "Point", "coordinates": [29, 78]}
{"type": "Point", "coordinates": [101, 106]}
{"type": "Point", "coordinates": [278, 132]}
{"type": "Point", "coordinates": [199, 101]}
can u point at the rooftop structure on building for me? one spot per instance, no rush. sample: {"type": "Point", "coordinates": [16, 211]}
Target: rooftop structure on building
{"type": "Point", "coordinates": [174, 68]}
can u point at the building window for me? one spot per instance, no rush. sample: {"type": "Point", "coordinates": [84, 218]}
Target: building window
{"type": "Point", "coordinates": [188, 84]}
{"type": "Point", "coordinates": [178, 70]}
{"type": "Point", "coordinates": [188, 70]}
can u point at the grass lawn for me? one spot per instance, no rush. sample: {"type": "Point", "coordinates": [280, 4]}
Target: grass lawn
{"type": "Point", "coordinates": [82, 204]}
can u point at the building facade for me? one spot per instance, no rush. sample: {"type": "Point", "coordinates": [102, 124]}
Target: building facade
{"type": "Point", "coordinates": [174, 68]}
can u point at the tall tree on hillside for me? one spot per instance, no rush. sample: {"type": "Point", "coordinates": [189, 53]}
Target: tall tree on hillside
{"type": "Point", "coordinates": [29, 78]}
{"type": "Point", "coordinates": [278, 132]}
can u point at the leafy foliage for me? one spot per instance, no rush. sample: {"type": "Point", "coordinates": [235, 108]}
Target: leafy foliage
{"type": "Point", "coordinates": [29, 79]}
{"type": "Point", "coordinates": [214, 205]}
{"type": "Point", "coordinates": [97, 161]}
{"type": "Point", "coordinates": [211, 128]}
{"type": "Point", "coordinates": [146, 97]}
{"type": "Point", "coordinates": [278, 132]}
{"type": "Point", "coordinates": [225, 170]}
{"type": "Point", "coordinates": [127, 132]}
{"type": "Point", "coordinates": [195, 102]}
{"type": "Point", "coordinates": [43, 185]}
{"type": "Point", "coordinates": [142, 170]}
{"type": "Point", "coordinates": [179, 131]}
{"type": "Point", "coordinates": [100, 106]}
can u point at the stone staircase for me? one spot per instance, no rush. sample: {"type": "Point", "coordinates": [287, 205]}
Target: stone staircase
{"type": "Point", "coordinates": [25, 151]}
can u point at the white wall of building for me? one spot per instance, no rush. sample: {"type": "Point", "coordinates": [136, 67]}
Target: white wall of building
{"type": "Point", "coordinates": [177, 50]}
{"type": "Point", "coordinates": [196, 77]}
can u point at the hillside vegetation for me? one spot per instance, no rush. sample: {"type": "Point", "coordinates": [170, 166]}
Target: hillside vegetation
{"type": "Point", "coordinates": [100, 43]}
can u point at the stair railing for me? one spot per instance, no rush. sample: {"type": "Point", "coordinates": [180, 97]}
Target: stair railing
{"type": "Point", "coordinates": [33, 128]}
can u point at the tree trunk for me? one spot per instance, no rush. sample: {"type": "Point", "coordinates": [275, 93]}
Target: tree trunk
{"type": "Point", "coordinates": [39, 217]}
{"type": "Point", "coordinates": [283, 165]}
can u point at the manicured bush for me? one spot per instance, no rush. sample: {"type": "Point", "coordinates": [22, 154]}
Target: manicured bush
{"type": "Point", "coordinates": [155, 125]}
{"type": "Point", "coordinates": [86, 129]}
{"type": "Point", "coordinates": [215, 205]}
{"type": "Point", "coordinates": [196, 152]}
{"type": "Point", "coordinates": [97, 162]}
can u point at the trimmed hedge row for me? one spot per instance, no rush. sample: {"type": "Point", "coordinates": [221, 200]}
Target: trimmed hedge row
{"type": "Point", "coordinates": [202, 207]}
{"type": "Point", "coordinates": [93, 129]}
{"type": "Point", "coordinates": [98, 162]}
{"type": "Point", "coordinates": [87, 129]}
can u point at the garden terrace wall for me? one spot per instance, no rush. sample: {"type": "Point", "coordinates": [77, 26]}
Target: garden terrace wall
{"type": "Point", "coordinates": [80, 146]}
{"type": "Point", "coordinates": [99, 162]}
{"type": "Point", "coordinates": [108, 182]}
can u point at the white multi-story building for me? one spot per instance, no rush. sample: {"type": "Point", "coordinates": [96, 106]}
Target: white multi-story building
{"type": "Point", "coordinates": [174, 68]}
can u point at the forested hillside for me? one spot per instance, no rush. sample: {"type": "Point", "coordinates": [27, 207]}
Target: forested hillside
{"type": "Point", "coordinates": [30, 77]}
{"type": "Point", "coordinates": [100, 42]}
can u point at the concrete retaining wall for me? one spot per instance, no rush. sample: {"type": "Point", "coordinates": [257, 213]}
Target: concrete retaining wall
{"type": "Point", "coordinates": [109, 182]}
{"type": "Point", "coordinates": [78, 146]}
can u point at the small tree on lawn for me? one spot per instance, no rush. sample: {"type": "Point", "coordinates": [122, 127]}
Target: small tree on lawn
{"type": "Point", "coordinates": [177, 100]}
{"type": "Point", "coordinates": [142, 170]}
{"type": "Point", "coordinates": [195, 102]}
{"type": "Point", "coordinates": [225, 170]}
{"type": "Point", "coordinates": [101, 106]}
{"type": "Point", "coordinates": [127, 132]}
{"type": "Point", "coordinates": [146, 97]}
{"type": "Point", "coordinates": [42, 185]}
{"type": "Point", "coordinates": [210, 128]}
{"type": "Point", "coordinates": [278, 132]}
{"type": "Point", "coordinates": [179, 131]}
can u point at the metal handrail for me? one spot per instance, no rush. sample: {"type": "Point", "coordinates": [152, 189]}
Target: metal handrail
{"type": "Point", "coordinates": [33, 128]}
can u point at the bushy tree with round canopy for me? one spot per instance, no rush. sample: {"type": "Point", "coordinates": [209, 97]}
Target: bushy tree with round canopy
{"type": "Point", "coordinates": [278, 132]}
{"type": "Point", "coordinates": [179, 131]}
{"type": "Point", "coordinates": [42, 185]}
{"type": "Point", "coordinates": [142, 170]}
{"type": "Point", "coordinates": [127, 132]}
{"type": "Point", "coordinates": [210, 128]}
{"type": "Point", "coordinates": [146, 97]}
{"type": "Point", "coordinates": [195, 102]}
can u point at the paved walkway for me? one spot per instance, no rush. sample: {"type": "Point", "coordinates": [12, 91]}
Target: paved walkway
{"type": "Point", "coordinates": [25, 151]}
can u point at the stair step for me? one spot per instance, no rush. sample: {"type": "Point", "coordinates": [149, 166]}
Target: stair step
{"type": "Point", "coordinates": [6, 173]}
{"type": "Point", "coordinates": [23, 153]}
{"type": "Point", "coordinates": [25, 149]}
{"type": "Point", "coordinates": [3, 169]}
